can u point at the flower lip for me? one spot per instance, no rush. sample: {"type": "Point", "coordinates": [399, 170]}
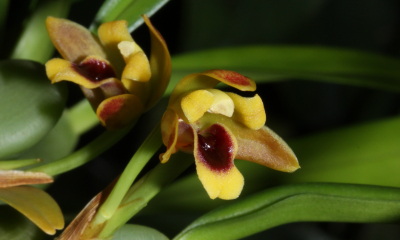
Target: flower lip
{"type": "Point", "coordinates": [216, 148]}
{"type": "Point", "coordinates": [94, 70]}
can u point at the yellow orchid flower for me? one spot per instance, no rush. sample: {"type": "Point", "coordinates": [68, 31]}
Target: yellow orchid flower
{"type": "Point", "coordinates": [34, 203]}
{"type": "Point", "coordinates": [112, 70]}
{"type": "Point", "coordinates": [218, 127]}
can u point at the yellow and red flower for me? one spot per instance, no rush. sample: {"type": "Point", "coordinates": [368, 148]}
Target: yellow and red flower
{"type": "Point", "coordinates": [218, 127]}
{"type": "Point", "coordinates": [111, 69]}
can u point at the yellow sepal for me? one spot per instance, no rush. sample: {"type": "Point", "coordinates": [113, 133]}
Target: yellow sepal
{"type": "Point", "coordinates": [118, 112]}
{"type": "Point", "coordinates": [249, 111]}
{"type": "Point", "coordinates": [73, 41]}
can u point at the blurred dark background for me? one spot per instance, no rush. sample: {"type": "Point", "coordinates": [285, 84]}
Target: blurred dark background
{"type": "Point", "coordinates": [294, 108]}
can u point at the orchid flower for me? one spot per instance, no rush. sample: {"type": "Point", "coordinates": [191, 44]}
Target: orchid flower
{"type": "Point", "coordinates": [112, 70]}
{"type": "Point", "coordinates": [34, 203]}
{"type": "Point", "coordinates": [218, 127]}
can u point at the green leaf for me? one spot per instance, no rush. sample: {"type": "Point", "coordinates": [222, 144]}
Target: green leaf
{"type": "Point", "coordinates": [60, 142]}
{"type": "Point", "coordinates": [14, 164]}
{"type": "Point", "coordinates": [34, 42]}
{"type": "Point", "coordinates": [31, 106]}
{"type": "Point", "coordinates": [36, 205]}
{"type": "Point", "coordinates": [129, 10]}
{"type": "Point", "coordinates": [364, 154]}
{"type": "Point", "coordinates": [276, 63]}
{"type": "Point", "coordinates": [297, 203]}
{"type": "Point", "coordinates": [137, 232]}
{"type": "Point", "coordinates": [15, 226]}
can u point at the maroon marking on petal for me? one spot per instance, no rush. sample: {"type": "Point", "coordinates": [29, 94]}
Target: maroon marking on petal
{"type": "Point", "coordinates": [216, 148]}
{"type": "Point", "coordinates": [233, 77]}
{"type": "Point", "coordinates": [111, 108]}
{"type": "Point", "coordinates": [94, 70]}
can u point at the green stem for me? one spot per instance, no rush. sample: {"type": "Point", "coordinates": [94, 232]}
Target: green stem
{"type": "Point", "coordinates": [83, 155]}
{"type": "Point", "coordinates": [34, 43]}
{"type": "Point", "coordinates": [82, 117]}
{"type": "Point", "coordinates": [152, 143]}
{"type": "Point", "coordinates": [13, 164]}
{"type": "Point", "coordinates": [144, 190]}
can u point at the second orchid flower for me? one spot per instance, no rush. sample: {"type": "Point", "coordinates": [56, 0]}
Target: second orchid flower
{"type": "Point", "coordinates": [112, 70]}
{"type": "Point", "coordinates": [218, 127]}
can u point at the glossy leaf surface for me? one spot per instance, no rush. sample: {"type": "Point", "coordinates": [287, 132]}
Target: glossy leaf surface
{"type": "Point", "coordinates": [131, 231]}
{"type": "Point", "coordinates": [297, 203]}
{"type": "Point", "coordinates": [60, 142]}
{"type": "Point", "coordinates": [268, 63]}
{"type": "Point", "coordinates": [15, 226]}
{"type": "Point", "coordinates": [130, 11]}
{"type": "Point", "coordinates": [31, 106]}
{"type": "Point", "coordinates": [34, 42]}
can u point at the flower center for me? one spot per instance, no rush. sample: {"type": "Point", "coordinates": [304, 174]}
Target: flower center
{"type": "Point", "coordinates": [216, 148]}
{"type": "Point", "coordinates": [94, 70]}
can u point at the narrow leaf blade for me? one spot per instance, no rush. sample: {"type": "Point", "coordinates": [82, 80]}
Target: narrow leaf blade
{"type": "Point", "coordinates": [130, 11]}
{"type": "Point", "coordinates": [268, 63]}
{"type": "Point", "coordinates": [36, 205]}
{"type": "Point", "coordinates": [297, 203]}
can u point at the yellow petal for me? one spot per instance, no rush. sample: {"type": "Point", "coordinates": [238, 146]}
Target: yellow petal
{"type": "Point", "coordinates": [160, 65]}
{"type": "Point", "coordinates": [119, 111]}
{"type": "Point", "coordinates": [249, 111]}
{"type": "Point", "coordinates": [169, 132]}
{"type": "Point", "coordinates": [214, 151]}
{"type": "Point", "coordinates": [128, 49]}
{"type": "Point", "coordinates": [225, 185]}
{"type": "Point", "coordinates": [73, 41]}
{"type": "Point", "coordinates": [91, 73]}
{"type": "Point", "coordinates": [36, 205]}
{"type": "Point", "coordinates": [209, 79]}
{"type": "Point", "coordinates": [137, 68]}
{"type": "Point", "coordinates": [222, 104]}
{"type": "Point", "coordinates": [111, 34]}
{"type": "Point", "coordinates": [10, 178]}
{"type": "Point", "coordinates": [261, 146]}
{"type": "Point", "coordinates": [195, 104]}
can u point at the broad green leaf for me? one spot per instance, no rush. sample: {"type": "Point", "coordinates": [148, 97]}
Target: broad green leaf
{"type": "Point", "coordinates": [15, 226]}
{"type": "Point", "coordinates": [60, 142]}
{"type": "Point", "coordinates": [364, 154]}
{"type": "Point", "coordinates": [297, 203]}
{"type": "Point", "coordinates": [367, 153]}
{"type": "Point", "coordinates": [137, 232]}
{"type": "Point", "coordinates": [36, 205]}
{"type": "Point", "coordinates": [129, 10]}
{"type": "Point", "coordinates": [31, 106]}
{"type": "Point", "coordinates": [34, 42]}
{"type": "Point", "coordinates": [275, 63]}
